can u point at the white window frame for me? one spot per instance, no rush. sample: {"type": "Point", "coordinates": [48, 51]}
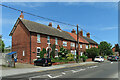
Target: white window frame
{"type": "Point", "coordinates": [37, 51]}
{"type": "Point", "coordinates": [57, 52]}
{"type": "Point", "coordinates": [48, 39]}
{"type": "Point", "coordinates": [81, 46]}
{"type": "Point", "coordinates": [81, 53]}
{"type": "Point", "coordinates": [86, 46]}
{"type": "Point", "coordinates": [73, 52]}
{"type": "Point", "coordinates": [56, 41]}
{"type": "Point", "coordinates": [72, 44]}
{"type": "Point", "coordinates": [23, 52]}
{"type": "Point", "coordinates": [38, 38]}
{"type": "Point", "coordinates": [64, 43]}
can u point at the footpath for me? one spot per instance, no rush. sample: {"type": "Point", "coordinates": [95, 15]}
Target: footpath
{"type": "Point", "coordinates": [17, 71]}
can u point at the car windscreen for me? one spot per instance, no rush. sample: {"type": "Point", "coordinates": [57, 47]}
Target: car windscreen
{"type": "Point", "coordinates": [97, 57]}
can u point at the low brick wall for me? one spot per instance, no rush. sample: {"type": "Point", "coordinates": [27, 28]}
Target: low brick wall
{"type": "Point", "coordinates": [57, 63]}
{"type": "Point", "coordinates": [89, 59]}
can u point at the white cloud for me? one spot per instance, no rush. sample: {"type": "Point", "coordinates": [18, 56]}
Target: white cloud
{"type": "Point", "coordinates": [59, 0]}
{"type": "Point", "coordinates": [7, 21]}
{"type": "Point", "coordinates": [109, 28]}
{"type": "Point", "coordinates": [26, 4]}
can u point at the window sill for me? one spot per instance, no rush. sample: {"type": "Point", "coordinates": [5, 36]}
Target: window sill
{"type": "Point", "coordinates": [38, 42]}
{"type": "Point", "coordinates": [65, 46]}
{"type": "Point", "coordinates": [56, 44]}
{"type": "Point", "coordinates": [48, 43]}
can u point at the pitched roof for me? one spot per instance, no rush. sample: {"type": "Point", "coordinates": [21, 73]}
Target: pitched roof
{"type": "Point", "coordinates": [81, 39]}
{"type": "Point", "coordinates": [90, 40]}
{"type": "Point", "coordinates": [43, 29]}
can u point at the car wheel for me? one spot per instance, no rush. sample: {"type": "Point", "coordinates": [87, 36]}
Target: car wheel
{"type": "Point", "coordinates": [43, 65]}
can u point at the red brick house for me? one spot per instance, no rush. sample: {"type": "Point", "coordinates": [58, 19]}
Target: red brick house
{"type": "Point", "coordinates": [29, 38]}
{"type": "Point", "coordinates": [84, 42]}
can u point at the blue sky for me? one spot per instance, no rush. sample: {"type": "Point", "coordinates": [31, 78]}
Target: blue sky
{"type": "Point", "coordinates": [98, 18]}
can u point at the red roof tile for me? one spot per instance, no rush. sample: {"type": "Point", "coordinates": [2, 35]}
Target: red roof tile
{"type": "Point", "coordinates": [81, 39]}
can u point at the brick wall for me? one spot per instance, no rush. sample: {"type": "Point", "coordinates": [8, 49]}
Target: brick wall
{"type": "Point", "coordinates": [20, 43]}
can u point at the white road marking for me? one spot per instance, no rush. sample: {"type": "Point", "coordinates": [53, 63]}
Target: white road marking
{"type": "Point", "coordinates": [63, 73]}
{"type": "Point", "coordinates": [111, 62]}
{"type": "Point", "coordinates": [92, 67]}
{"type": "Point", "coordinates": [30, 78]}
{"type": "Point", "coordinates": [77, 70]}
{"type": "Point", "coordinates": [54, 76]}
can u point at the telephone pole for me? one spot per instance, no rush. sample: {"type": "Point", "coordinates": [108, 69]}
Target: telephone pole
{"type": "Point", "coordinates": [77, 59]}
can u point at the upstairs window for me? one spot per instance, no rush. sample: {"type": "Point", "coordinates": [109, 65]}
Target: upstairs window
{"type": "Point", "coordinates": [72, 44]}
{"type": "Point", "coordinates": [80, 45]}
{"type": "Point", "coordinates": [38, 38]}
{"type": "Point", "coordinates": [48, 39]}
{"type": "Point", "coordinates": [86, 46]}
{"type": "Point", "coordinates": [56, 41]}
{"type": "Point", "coordinates": [64, 43]}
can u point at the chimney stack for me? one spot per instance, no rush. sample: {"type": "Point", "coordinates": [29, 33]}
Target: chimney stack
{"type": "Point", "coordinates": [73, 31]}
{"type": "Point", "coordinates": [21, 16]}
{"type": "Point", "coordinates": [88, 35]}
{"type": "Point", "coordinates": [58, 27]}
{"type": "Point", "coordinates": [50, 24]}
{"type": "Point", "coordinates": [81, 33]}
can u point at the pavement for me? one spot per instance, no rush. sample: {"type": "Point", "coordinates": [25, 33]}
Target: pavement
{"type": "Point", "coordinates": [18, 71]}
{"type": "Point", "coordinates": [100, 71]}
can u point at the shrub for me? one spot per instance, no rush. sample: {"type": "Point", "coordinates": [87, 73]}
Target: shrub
{"type": "Point", "coordinates": [42, 53]}
{"type": "Point", "coordinates": [83, 57]}
{"type": "Point", "coordinates": [70, 57]}
{"type": "Point", "coordinates": [92, 52]}
{"type": "Point", "coordinates": [53, 51]}
{"type": "Point", "coordinates": [63, 52]}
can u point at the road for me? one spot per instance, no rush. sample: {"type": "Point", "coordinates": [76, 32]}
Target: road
{"type": "Point", "coordinates": [106, 71]}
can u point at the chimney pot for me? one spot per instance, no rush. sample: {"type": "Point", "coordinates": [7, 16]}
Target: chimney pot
{"type": "Point", "coordinates": [73, 31]}
{"type": "Point", "coordinates": [21, 16]}
{"type": "Point", "coordinates": [50, 24]}
{"type": "Point", "coordinates": [81, 33]}
{"type": "Point", "coordinates": [88, 35]}
{"type": "Point", "coordinates": [58, 27]}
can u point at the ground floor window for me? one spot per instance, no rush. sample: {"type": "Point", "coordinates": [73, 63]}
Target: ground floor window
{"type": "Point", "coordinates": [23, 53]}
{"type": "Point", "coordinates": [81, 53]}
{"type": "Point", "coordinates": [56, 52]}
{"type": "Point", "coordinates": [74, 53]}
{"type": "Point", "coordinates": [38, 51]}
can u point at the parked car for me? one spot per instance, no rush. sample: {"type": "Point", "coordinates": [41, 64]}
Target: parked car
{"type": "Point", "coordinates": [110, 57]}
{"type": "Point", "coordinates": [99, 59]}
{"type": "Point", "coordinates": [115, 58]}
{"type": "Point", "coordinates": [43, 62]}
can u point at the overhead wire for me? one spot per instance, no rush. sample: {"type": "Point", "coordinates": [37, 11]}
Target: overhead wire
{"type": "Point", "coordinates": [48, 19]}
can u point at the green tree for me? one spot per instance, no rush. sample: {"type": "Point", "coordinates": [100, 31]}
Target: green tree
{"type": "Point", "coordinates": [2, 45]}
{"type": "Point", "coordinates": [105, 48]}
{"type": "Point", "coordinates": [92, 52]}
{"type": "Point", "coordinates": [53, 51]}
{"type": "Point", "coordinates": [42, 53]}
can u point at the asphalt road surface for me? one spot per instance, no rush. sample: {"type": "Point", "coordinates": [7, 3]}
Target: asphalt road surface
{"type": "Point", "coordinates": [101, 71]}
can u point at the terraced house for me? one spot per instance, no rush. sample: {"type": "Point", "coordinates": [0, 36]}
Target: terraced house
{"type": "Point", "coordinates": [29, 38]}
